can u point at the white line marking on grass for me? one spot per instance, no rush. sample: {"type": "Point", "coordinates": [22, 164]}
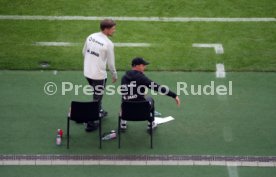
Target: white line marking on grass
{"type": "Point", "coordinates": [227, 134]}
{"type": "Point", "coordinates": [149, 19]}
{"type": "Point", "coordinates": [132, 44]}
{"type": "Point", "coordinates": [68, 44]}
{"type": "Point", "coordinates": [56, 44]}
{"type": "Point", "coordinates": [232, 171]}
{"type": "Point", "coordinates": [220, 70]}
{"type": "Point", "coordinates": [217, 47]}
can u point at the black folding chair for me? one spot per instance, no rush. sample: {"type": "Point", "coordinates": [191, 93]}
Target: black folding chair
{"type": "Point", "coordinates": [136, 111]}
{"type": "Point", "coordinates": [83, 112]}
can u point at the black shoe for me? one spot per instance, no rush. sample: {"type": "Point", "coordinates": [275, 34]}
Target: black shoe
{"type": "Point", "coordinates": [103, 113]}
{"type": "Point", "coordinates": [91, 126]}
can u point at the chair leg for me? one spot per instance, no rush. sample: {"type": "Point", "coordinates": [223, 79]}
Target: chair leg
{"type": "Point", "coordinates": [100, 132]}
{"type": "Point", "coordinates": [151, 130]}
{"type": "Point", "coordinates": [151, 135]}
{"type": "Point", "coordinates": [119, 132]}
{"type": "Point", "coordinates": [68, 127]}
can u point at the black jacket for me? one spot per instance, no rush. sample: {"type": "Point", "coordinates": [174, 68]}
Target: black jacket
{"type": "Point", "coordinates": [134, 84]}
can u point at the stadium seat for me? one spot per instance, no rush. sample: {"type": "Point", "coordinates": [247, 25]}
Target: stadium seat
{"type": "Point", "coordinates": [136, 111]}
{"type": "Point", "coordinates": [82, 112]}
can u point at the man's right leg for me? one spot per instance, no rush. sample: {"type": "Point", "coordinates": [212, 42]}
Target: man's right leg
{"type": "Point", "coordinates": [98, 91]}
{"type": "Point", "coordinates": [99, 86]}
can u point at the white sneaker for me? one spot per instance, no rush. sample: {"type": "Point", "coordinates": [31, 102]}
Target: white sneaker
{"type": "Point", "coordinates": [154, 125]}
{"type": "Point", "coordinates": [123, 125]}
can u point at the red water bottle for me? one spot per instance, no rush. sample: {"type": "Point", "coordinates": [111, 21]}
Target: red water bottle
{"type": "Point", "coordinates": [60, 132]}
{"type": "Point", "coordinates": [59, 137]}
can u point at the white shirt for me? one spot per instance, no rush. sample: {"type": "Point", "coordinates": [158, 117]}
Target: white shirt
{"type": "Point", "coordinates": [98, 51]}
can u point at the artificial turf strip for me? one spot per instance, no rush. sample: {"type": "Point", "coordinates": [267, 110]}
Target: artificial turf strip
{"type": "Point", "coordinates": [126, 171]}
{"type": "Point", "coordinates": [241, 124]}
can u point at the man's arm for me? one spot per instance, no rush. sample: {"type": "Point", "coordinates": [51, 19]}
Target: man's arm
{"type": "Point", "coordinates": [177, 101]}
{"type": "Point", "coordinates": [111, 62]}
{"type": "Point", "coordinates": [156, 87]}
{"type": "Point", "coordinates": [84, 49]}
{"type": "Point", "coordinates": [165, 90]}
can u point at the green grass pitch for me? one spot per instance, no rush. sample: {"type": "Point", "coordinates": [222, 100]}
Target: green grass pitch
{"type": "Point", "coordinates": [242, 124]}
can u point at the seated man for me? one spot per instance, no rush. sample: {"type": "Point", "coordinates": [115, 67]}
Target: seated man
{"type": "Point", "coordinates": [134, 83]}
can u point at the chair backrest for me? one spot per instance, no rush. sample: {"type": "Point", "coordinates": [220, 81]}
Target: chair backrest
{"type": "Point", "coordinates": [136, 111]}
{"type": "Point", "coordinates": [84, 111]}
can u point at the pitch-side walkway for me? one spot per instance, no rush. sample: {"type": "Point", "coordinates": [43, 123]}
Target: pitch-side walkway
{"type": "Point", "coordinates": [205, 160]}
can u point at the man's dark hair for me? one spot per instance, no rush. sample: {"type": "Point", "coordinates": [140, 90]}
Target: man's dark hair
{"type": "Point", "coordinates": [107, 23]}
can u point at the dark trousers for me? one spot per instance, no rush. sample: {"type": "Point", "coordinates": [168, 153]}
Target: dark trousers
{"type": "Point", "coordinates": [151, 101]}
{"type": "Point", "coordinates": [98, 89]}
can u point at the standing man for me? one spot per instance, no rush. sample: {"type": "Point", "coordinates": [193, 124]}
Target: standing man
{"type": "Point", "coordinates": [98, 51]}
{"type": "Point", "coordinates": [134, 83]}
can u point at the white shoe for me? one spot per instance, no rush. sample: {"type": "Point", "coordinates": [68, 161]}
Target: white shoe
{"type": "Point", "coordinates": [123, 125]}
{"type": "Point", "coordinates": [154, 125]}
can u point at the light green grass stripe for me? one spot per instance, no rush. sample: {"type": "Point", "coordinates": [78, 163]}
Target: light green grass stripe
{"type": "Point", "coordinates": [68, 44]}
{"type": "Point", "coordinates": [150, 19]}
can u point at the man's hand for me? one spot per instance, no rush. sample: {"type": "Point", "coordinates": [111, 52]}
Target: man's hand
{"type": "Point", "coordinates": [177, 101]}
{"type": "Point", "coordinates": [114, 80]}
